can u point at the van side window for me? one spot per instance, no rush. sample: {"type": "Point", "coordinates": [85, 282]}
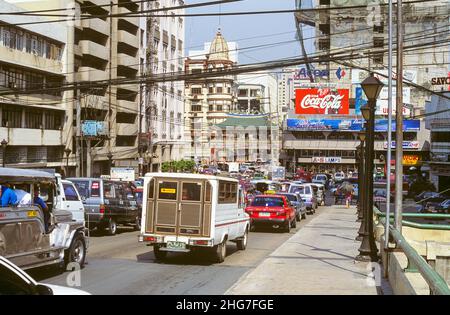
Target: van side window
{"type": "Point", "coordinates": [83, 188]}
{"type": "Point", "coordinates": [208, 192]}
{"type": "Point", "coordinates": [70, 192]}
{"type": "Point", "coordinates": [151, 188]}
{"type": "Point", "coordinates": [108, 190]}
{"type": "Point", "coordinates": [227, 192]}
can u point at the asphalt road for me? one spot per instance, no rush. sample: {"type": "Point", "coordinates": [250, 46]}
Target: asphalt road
{"type": "Point", "coordinates": [121, 265]}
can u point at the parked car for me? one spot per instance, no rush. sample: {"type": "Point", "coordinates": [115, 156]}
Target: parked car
{"type": "Point", "coordinates": [15, 281]}
{"type": "Point", "coordinates": [443, 207]}
{"type": "Point", "coordinates": [320, 193]}
{"type": "Point", "coordinates": [185, 212]}
{"type": "Point", "coordinates": [297, 202]}
{"type": "Point", "coordinates": [272, 210]}
{"type": "Point", "coordinates": [320, 179]}
{"type": "Point", "coordinates": [430, 204]}
{"type": "Point", "coordinates": [107, 203]}
{"type": "Point", "coordinates": [339, 176]}
{"type": "Point", "coordinates": [307, 194]}
{"type": "Point", "coordinates": [425, 195]}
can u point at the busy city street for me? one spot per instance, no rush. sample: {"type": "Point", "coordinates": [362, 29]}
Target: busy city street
{"type": "Point", "coordinates": [225, 148]}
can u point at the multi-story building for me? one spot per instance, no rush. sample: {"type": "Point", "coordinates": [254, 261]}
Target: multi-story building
{"type": "Point", "coordinates": [165, 101]}
{"type": "Point", "coordinates": [32, 105]}
{"type": "Point", "coordinates": [102, 47]}
{"type": "Point", "coordinates": [207, 100]}
{"type": "Point", "coordinates": [439, 126]}
{"type": "Point", "coordinates": [346, 31]}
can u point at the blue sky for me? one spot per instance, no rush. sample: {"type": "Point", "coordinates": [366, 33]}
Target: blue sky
{"type": "Point", "coordinates": [240, 28]}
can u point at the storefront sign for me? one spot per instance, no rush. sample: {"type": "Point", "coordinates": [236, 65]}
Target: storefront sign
{"type": "Point", "coordinates": [303, 74]}
{"type": "Point", "coordinates": [384, 95]}
{"type": "Point", "coordinates": [409, 159]}
{"type": "Point", "coordinates": [382, 108]}
{"type": "Point", "coordinates": [346, 125]}
{"type": "Point", "coordinates": [440, 81]}
{"type": "Point", "coordinates": [323, 159]}
{"type": "Point", "coordinates": [322, 101]}
{"type": "Point", "coordinates": [408, 145]}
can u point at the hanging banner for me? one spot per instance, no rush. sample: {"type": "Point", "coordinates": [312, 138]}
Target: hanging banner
{"type": "Point", "coordinates": [406, 145]}
{"type": "Point", "coordinates": [346, 125]}
{"type": "Point", "coordinates": [326, 159]}
{"type": "Point", "coordinates": [322, 101]}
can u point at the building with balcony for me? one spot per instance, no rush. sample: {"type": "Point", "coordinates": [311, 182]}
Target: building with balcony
{"type": "Point", "coordinates": [164, 101]}
{"type": "Point", "coordinates": [207, 100]}
{"type": "Point", "coordinates": [32, 105]}
{"type": "Point", "coordinates": [100, 50]}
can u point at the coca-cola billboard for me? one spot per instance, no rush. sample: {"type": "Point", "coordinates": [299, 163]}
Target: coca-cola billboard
{"type": "Point", "coordinates": [322, 101]}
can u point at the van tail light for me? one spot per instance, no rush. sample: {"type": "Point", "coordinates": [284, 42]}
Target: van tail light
{"type": "Point", "coordinates": [149, 239]}
{"type": "Point", "coordinates": [102, 209]}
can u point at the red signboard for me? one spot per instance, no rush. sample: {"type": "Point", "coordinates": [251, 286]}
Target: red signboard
{"type": "Point", "coordinates": [322, 101]}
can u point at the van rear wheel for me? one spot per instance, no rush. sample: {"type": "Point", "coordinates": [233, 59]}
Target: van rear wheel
{"type": "Point", "coordinates": [220, 251]}
{"type": "Point", "coordinates": [242, 243]}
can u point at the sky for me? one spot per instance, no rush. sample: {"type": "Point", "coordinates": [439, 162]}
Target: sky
{"type": "Point", "coordinates": [269, 28]}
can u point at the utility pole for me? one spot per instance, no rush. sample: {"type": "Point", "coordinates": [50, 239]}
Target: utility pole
{"type": "Point", "coordinates": [88, 159]}
{"type": "Point", "coordinates": [399, 123]}
{"type": "Point", "coordinates": [389, 135]}
{"type": "Point", "coordinates": [78, 132]}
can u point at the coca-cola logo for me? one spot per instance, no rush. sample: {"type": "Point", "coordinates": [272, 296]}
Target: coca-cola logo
{"type": "Point", "coordinates": [322, 101]}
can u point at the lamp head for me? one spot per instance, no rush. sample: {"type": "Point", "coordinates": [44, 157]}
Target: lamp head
{"type": "Point", "coordinates": [362, 136]}
{"type": "Point", "coordinates": [372, 87]}
{"type": "Point", "coordinates": [365, 110]}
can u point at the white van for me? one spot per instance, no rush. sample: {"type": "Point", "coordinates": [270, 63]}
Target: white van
{"type": "Point", "coordinates": [182, 212]}
{"type": "Point", "coordinates": [68, 198]}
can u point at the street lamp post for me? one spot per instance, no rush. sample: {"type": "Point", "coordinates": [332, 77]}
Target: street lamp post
{"type": "Point", "coordinates": [361, 187]}
{"type": "Point", "coordinates": [4, 143]}
{"type": "Point", "coordinates": [110, 156]}
{"type": "Point", "coordinates": [67, 151]}
{"type": "Point", "coordinates": [372, 87]}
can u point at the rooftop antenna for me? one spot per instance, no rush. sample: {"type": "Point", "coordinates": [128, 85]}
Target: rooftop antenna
{"type": "Point", "coordinates": [220, 15]}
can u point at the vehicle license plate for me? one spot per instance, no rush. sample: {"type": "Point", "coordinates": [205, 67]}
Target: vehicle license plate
{"type": "Point", "coordinates": [176, 245]}
{"type": "Point", "coordinates": [264, 214]}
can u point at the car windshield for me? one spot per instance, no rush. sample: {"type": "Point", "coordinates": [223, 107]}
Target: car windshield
{"type": "Point", "coordinates": [267, 202]}
{"type": "Point", "coordinates": [321, 177]}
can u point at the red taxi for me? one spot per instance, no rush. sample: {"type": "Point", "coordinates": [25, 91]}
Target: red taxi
{"type": "Point", "coordinates": [272, 210]}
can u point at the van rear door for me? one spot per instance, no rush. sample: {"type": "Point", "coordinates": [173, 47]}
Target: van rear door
{"type": "Point", "coordinates": [180, 207]}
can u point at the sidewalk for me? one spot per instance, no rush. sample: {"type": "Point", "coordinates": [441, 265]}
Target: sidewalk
{"type": "Point", "coordinates": [318, 259]}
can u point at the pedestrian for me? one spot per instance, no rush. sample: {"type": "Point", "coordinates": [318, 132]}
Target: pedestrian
{"type": "Point", "coordinates": [8, 196]}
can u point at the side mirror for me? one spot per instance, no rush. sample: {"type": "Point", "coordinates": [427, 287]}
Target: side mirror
{"type": "Point", "coordinates": [43, 290]}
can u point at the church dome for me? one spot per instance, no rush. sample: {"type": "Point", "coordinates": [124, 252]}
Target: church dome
{"type": "Point", "coordinates": [219, 48]}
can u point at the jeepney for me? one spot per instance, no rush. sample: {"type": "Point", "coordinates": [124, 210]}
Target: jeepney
{"type": "Point", "coordinates": [23, 237]}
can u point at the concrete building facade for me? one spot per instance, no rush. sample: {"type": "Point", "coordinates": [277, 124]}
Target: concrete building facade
{"type": "Point", "coordinates": [32, 106]}
{"type": "Point", "coordinates": [164, 101]}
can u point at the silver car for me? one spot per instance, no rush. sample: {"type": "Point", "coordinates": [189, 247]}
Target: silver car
{"type": "Point", "coordinates": [307, 194]}
{"type": "Point", "coordinates": [297, 202]}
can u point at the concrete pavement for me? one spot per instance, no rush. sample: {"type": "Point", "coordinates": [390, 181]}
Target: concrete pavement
{"type": "Point", "coordinates": [318, 259]}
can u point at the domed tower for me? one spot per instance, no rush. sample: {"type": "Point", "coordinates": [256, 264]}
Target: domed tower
{"type": "Point", "coordinates": [219, 48]}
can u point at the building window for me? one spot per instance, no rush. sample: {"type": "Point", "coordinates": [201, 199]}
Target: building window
{"type": "Point", "coordinates": [195, 91]}
{"type": "Point", "coordinates": [33, 119]}
{"type": "Point", "coordinates": [219, 89]}
{"type": "Point", "coordinates": [12, 117]}
{"type": "Point", "coordinates": [196, 108]}
{"type": "Point", "coordinates": [211, 90]}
